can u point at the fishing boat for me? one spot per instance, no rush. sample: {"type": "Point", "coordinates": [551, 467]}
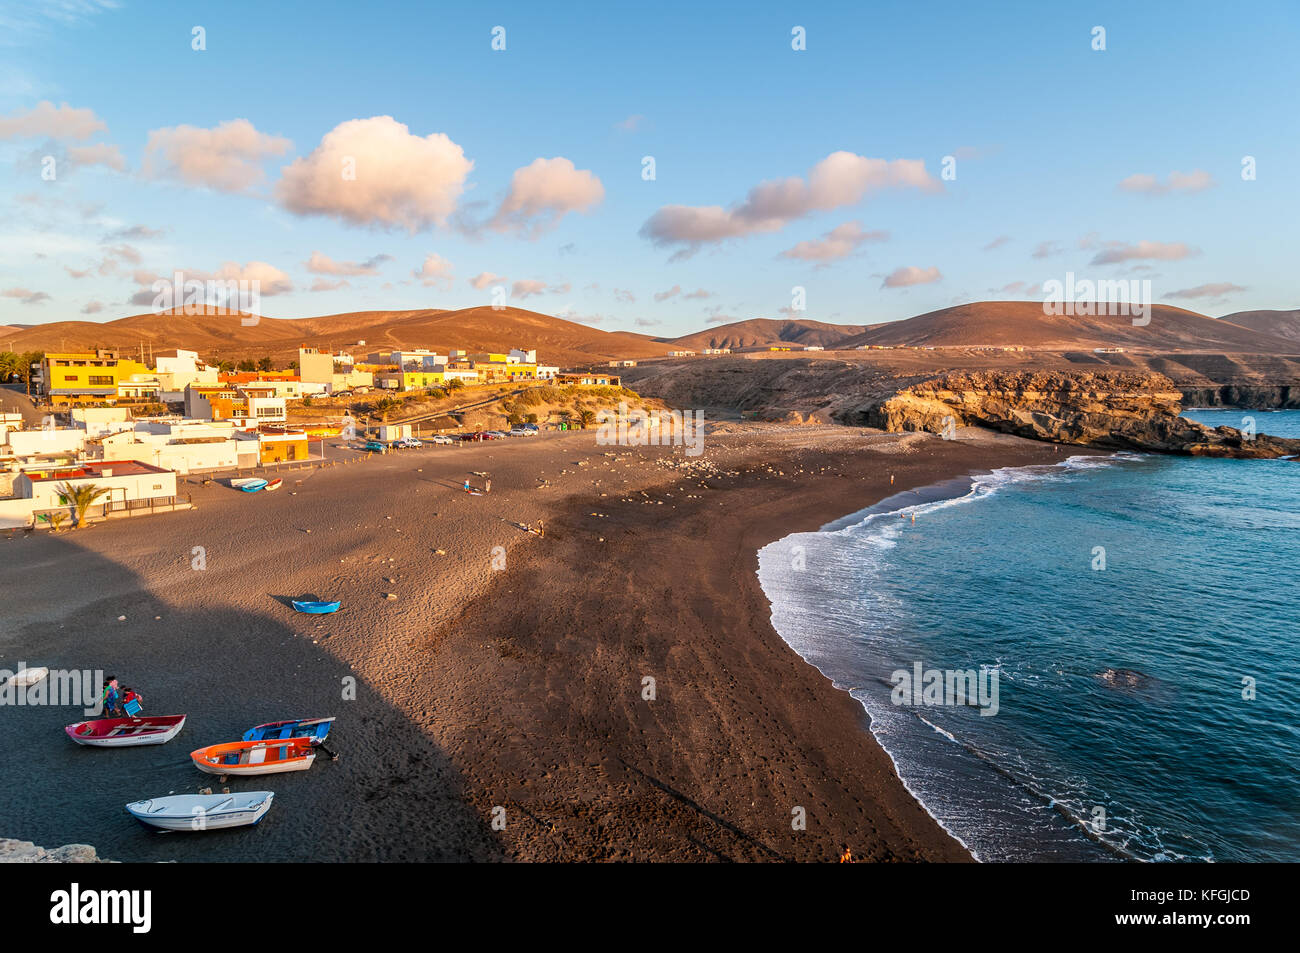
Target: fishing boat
{"type": "Point", "coordinates": [202, 812]}
{"type": "Point", "coordinates": [274, 484]}
{"type": "Point", "coordinates": [317, 728]}
{"type": "Point", "coordinates": [249, 484]}
{"type": "Point", "coordinates": [255, 757]}
{"type": "Point", "coordinates": [27, 677]}
{"type": "Point", "coordinates": [316, 608]}
{"type": "Point", "coordinates": [126, 732]}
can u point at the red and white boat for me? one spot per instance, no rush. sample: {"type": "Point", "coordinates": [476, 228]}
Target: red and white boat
{"type": "Point", "coordinates": [126, 732]}
{"type": "Point", "coordinates": [274, 484]}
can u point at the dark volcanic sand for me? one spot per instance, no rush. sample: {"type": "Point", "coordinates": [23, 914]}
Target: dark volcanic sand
{"type": "Point", "coordinates": [476, 689]}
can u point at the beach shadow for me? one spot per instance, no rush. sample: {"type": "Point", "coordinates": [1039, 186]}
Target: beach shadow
{"type": "Point", "coordinates": [393, 796]}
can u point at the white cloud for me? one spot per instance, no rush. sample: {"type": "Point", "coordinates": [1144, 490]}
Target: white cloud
{"type": "Point", "coordinates": [25, 295]}
{"type": "Point", "coordinates": [630, 123]}
{"type": "Point", "coordinates": [45, 120]}
{"type": "Point", "coordinates": [101, 153]}
{"type": "Point", "coordinates": [227, 158]}
{"type": "Point", "coordinates": [322, 264]}
{"type": "Point", "coordinates": [841, 179]}
{"type": "Point", "coordinates": [1116, 252]}
{"type": "Point", "coordinates": [542, 193]}
{"type": "Point", "coordinates": [1213, 290]}
{"type": "Point", "coordinates": [910, 275]}
{"type": "Point", "coordinates": [840, 242]}
{"type": "Point", "coordinates": [527, 288]}
{"type": "Point", "coordinates": [400, 180]}
{"type": "Point", "coordinates": [485, 278]}
{"type": "Point", "coordinates": [1198, 180]}
{"type": "Point", "coordinates": [435, 271]}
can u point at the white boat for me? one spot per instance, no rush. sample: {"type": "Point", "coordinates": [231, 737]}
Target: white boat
{"type": "Point", "coordinates": [26, 677]}
{"type": "Point", "coordinates": [202, 812]}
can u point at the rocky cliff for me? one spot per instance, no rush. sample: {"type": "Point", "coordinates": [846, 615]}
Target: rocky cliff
{"type": "Point", "coordinates": [1107, 409]}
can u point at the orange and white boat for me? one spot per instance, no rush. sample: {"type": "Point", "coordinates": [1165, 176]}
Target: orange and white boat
{"type": "Point", "coordinates": [255, 757]}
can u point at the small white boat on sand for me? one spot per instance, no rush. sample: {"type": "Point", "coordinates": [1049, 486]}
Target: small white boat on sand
{"type": "Point", "coordinates": [27, 677]}
{"type": "Point", "coordinates": [202, 812]}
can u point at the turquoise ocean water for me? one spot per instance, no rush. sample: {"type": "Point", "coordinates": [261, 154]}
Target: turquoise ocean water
{"type": "Point", "coordinates": [1148, 705]}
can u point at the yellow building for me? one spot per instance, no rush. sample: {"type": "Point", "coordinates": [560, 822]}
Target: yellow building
{"type": "Point", "coordinates": [90, 377]}
{"type": "Point", "coordinates": [276, 447]}
{"type": "Point", "coordinates": [414, 380]}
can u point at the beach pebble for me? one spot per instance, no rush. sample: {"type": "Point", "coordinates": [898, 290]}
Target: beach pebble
{"type": "Point", "coordinates": [121, 618]}
{"type": "Point", "coordinates": [390, 595]}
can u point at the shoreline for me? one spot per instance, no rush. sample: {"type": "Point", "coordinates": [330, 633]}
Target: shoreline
{"type": "Point", "coordinates": [953, 490]}
{"type": "Point", "coordinates": [483, 692]}
{"type": "Point", "coordinates": [816, 750]}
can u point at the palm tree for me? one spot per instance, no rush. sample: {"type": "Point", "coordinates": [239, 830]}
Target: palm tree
{"type": "Point", "coordinates": [586, 418]}
{"type": "Point", "coordinates": [82, 498]}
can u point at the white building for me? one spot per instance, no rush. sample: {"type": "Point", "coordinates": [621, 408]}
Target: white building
{"type": "Point", "coordinates": [186, 446]}
{"type": "Point", "coordinates": [176, 369]}
{"type": "Point", "coordinates": [130, 484]}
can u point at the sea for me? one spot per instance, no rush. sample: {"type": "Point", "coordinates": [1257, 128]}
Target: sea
{"type": "Point", "coordinates": [1133, 620]}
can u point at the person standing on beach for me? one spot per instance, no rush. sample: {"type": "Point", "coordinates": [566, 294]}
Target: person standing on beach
{"type": "Point", "coordinates": [111, 700]}
{"type": "Point", "coordinates": [487, 486]}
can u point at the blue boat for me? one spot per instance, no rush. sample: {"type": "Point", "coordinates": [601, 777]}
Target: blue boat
{"type": "Point", "coordinates": [249, 484]}
{"type": "Point", "coordinates": [316, 608]}
{"type": "Point", "coordinates": [314, 728]}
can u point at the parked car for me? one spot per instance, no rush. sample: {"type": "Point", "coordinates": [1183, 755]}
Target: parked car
{"type": "Point", "coordinates": [375, 446]}
{"type": "Point", "coordinates": [520, 432]}
{"type": "Point", "coordinates": [442, 438]}
{"type": "Point", "coordinates": [494, 435]}
{"type": "Point", "coordinates": [342, 393]}
{"type": "Point", "coordinates": [413, 443]}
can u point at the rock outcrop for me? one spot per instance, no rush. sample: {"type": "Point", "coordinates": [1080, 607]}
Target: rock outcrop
{"type": "Point", "coordinates": [1107, 409]}
{"type": "Point", "coordinates": [25, 852]}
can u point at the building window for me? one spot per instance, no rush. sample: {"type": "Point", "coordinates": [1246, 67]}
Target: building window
{"type": "Point", "coordinates": [101, 381]}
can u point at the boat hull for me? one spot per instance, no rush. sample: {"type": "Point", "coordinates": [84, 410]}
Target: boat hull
{"type": "Point", "coordinates": [202, 812]}
{"type": "Point", "coordinates": [126, 732]}
{"type": "Point", "coordinates": [318, 728]}
{"type": "Point", "coordinates": [316, 608]}
{"type": "Point", "coordinates": [255, 758]}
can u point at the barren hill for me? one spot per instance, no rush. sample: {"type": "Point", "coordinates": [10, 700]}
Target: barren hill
{"type": "Point", "coordinates": [1280, 324]}
{"type": "Point", "coordinates": [221, 336]}
{"type": "Point", "coordinates": [760, 331]}
{"type": "Point", "coordinates": [1002, 323]}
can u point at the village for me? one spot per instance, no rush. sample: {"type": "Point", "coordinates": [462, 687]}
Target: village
{"type": "Point", "coordinates": [106, 435]}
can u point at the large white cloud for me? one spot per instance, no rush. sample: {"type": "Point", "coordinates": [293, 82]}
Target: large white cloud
{"type": "Point", "coordinates": [841, 179]}
{"type": "Point", "coordinates": [227, 157]}
{"type": "Point", "coordinates": [48, 120]}
{"type": "Point", "coordinates": [542, 193]}
{"type": "Point", "coordinates": [376, 172]}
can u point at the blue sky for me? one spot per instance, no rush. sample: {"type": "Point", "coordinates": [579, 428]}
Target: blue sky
{"type": "Point", "coordinates": [1122, 163]}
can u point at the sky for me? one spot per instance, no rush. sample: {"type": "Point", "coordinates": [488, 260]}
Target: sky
{"type": "Point", "coordinates": [656, 168]}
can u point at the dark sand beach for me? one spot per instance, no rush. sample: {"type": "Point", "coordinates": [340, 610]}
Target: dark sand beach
{"type": "Point", "coordinates": [477, 688]}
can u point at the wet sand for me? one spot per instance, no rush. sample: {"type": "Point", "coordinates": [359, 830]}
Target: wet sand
{"type": "Point", "coordinates": [513, 692]}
